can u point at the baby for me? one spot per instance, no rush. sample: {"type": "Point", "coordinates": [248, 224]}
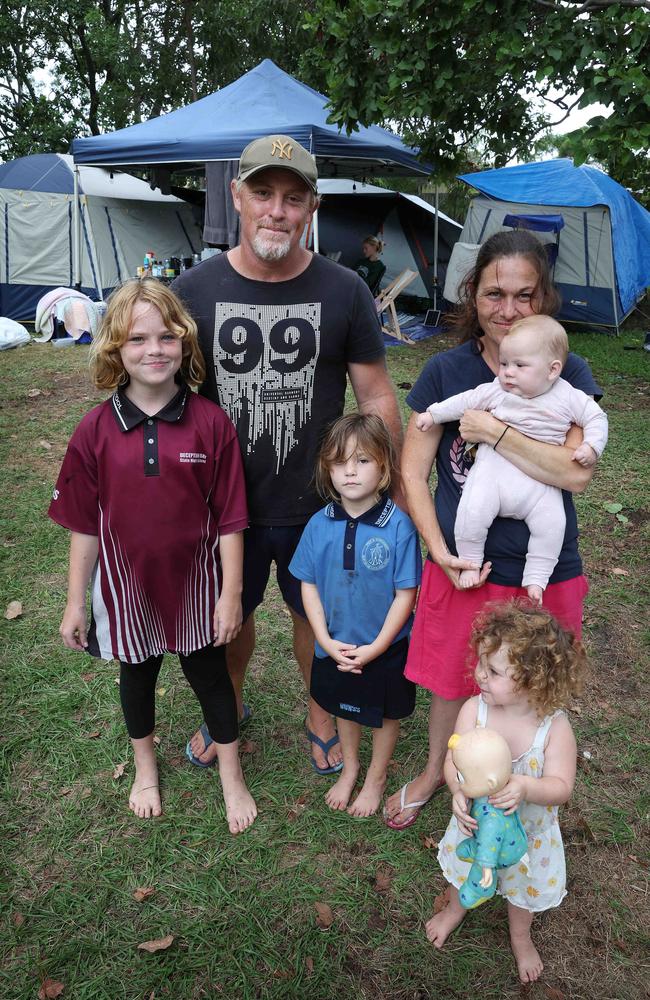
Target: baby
{"type": "Point", "coordinates": [529, 395]}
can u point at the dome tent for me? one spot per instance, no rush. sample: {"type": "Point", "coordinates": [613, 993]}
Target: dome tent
{"type": "Point", "coordinates": [603, 246]}
{"type": "Point", "coordinates": [120, 217]}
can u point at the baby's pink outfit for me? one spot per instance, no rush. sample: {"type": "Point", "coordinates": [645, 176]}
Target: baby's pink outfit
{"type": "Point", "coordinates": [497, 488]}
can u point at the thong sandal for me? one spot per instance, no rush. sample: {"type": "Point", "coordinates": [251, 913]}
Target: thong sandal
{"type": "Point", "coordinates": [325, 747]}
{"type": "Point", "coordinates": [417, 807]}
{"type": "Point", "coordinates": [207, 740]}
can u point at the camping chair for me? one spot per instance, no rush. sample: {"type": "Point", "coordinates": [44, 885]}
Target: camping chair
{"type": "Point", "coordinates": [385, 302]}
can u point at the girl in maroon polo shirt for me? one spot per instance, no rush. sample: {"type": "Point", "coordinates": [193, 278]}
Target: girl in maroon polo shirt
{"type": "Point", "coordinates": [152, 489]}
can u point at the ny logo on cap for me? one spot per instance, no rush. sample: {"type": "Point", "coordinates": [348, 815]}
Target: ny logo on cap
{"type": "Point", "coordinates": [283, 149]}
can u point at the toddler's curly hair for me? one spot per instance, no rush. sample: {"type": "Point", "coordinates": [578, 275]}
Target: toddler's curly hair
{"type": "Point", "coordinates": [548, 663]}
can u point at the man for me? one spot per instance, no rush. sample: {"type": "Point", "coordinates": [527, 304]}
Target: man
{"type": "Point", "coordinates": [280, 328]}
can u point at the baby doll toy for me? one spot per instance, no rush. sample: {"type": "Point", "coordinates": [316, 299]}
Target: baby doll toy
{"type": "Point", "coordinates": [483, 764]}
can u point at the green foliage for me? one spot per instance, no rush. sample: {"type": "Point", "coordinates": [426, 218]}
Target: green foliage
{"type": "Point", "coordinates": [451, 75]}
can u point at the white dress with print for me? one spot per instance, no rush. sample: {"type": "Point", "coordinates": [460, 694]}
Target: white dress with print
{"type": "Point", "coordinates": [542, 884]}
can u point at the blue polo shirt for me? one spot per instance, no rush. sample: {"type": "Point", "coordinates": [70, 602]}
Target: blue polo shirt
{"type": "Point", "coordinates": [357, 564]}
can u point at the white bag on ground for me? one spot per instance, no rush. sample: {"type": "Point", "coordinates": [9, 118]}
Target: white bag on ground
{"type": "Point", "coordinates": [12, 334]}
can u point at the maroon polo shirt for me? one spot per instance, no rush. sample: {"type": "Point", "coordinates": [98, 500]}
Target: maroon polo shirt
{"type": "Point", "coordinates": [158, 492]}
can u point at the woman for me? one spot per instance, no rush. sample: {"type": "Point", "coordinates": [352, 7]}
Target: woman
{"type": "Point", "coordinates": [370, 267]}
{"type": "Point", "coordinates": [509, 281]}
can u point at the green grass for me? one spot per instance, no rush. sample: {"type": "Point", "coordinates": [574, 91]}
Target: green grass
{"type": "Point", "coordinates": [242, 909]}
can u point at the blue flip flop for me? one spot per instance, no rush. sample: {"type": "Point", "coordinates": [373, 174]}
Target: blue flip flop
{"type": "Point", "coordinates": [325, 747]}
{"type": "Point", "coordinates": [207, 739]}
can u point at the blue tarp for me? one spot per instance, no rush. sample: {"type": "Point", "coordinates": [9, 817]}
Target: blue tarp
{"type": "Point", "coordinates": [559, 182]}
{"type": "Point", "coordinates": [263, 101]}
{"type": "Point", "coordinates": [536, 223]}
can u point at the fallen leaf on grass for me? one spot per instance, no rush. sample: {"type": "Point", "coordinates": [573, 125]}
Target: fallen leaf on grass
{"type": "Point", "coordinates": [14, 610]}
{"type": "Point", "coordinates": [94, 735]}
{"type": "Point", "coordinates": [382, 881]}
{"type": "Point", "coordinates": [248, 746]}
{"type": "Point", "coordinates": [160, 944]}
{"type": "Point", "coordinates": [376, 921]}
{"type": "Point", "coordinates": [613, 508]}
{"type": "Point", "coordinates": [428, 843]}
{"type": "Point", "coordinates": [116, 680]}
{"type": "Point", "coordinates": [45, 444]}
{"type": "Point", "coordinates": [143, 893]}
{"type": "Point", "coordinates": [88, 677]}
{"type": "Point", "coordinates": [119, 771]}
{"type": "Point", "coordinates": [18, 919]}
{"type": "Point", "coordinates": [297, 808]}
{"type": "Point", "coordinates": [586, 829]}
{"type": "Point", "coordinates": [552, 993]}
{"type": "Point", "coordinates": [65, 791]}
{"type": "Point", "coordinates": [324, 916]}
{"type": "Point", "coordinates": [85, 793]}
{"type": "Point", "coordinates": [281, 974]}
{"type": "Point", "coordinates": [309, 965]}
{"type": "Point", "coordinates": [50, 989]}
{"type": "Point", "coordinates": [161, 692]}
{"type": "Point", "coordinates": [32, 393]}
{"type": "Point", "coordinates": [617, 571]}
{"type": "Point", "coordinates": [156, 741]}
{"type": "Point", "coordinates": [441, 901]}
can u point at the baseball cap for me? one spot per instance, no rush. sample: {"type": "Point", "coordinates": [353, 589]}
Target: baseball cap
{"type": "Point", "coordinates": [278, 151]}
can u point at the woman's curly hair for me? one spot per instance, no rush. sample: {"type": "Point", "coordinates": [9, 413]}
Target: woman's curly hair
{"type": "Point", "coordinates": [105, 360]}
{"type": "Point", "coordinates": [548, 663]}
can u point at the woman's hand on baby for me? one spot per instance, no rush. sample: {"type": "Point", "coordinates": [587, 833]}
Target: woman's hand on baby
{"type": "Point", "coordinates": [452, 566]}
{"type": "Point", "coordinates": [74, 627]}
{"type": "Point", "coordinates": [510, 798]}
{"type": "Point", "coordinates": [480, 427]}
{"type": "Point", "coordinates": [227, 619]}
{"type": "Point", "coordinates": [460, 806]}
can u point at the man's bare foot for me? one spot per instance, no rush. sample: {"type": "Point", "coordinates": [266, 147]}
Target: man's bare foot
{"type": "Point", "coordinates": [468, 578]}
{"type": "Point", "coordinates": [240, 804]}
{"type": "Point", "coordinates": [440, 926]}
{"type": "Point", "coordinates": [144, 799]}
{"type": "Point", "coordinates": [529, 964]}
{"type": "Point", "coordinates": [368, 800]}
{"type": "Point", "coordinates": [339, 794]}
{"type": "Point", "coordinates": [198, 748]}
{"type": "Point", "coordinates": [324, 728]}
{"type": "Point", "coordinates": [535, 593]}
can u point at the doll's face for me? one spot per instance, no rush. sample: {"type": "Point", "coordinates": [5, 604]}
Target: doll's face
{"type": "Point", "coordinates": [482, 761]}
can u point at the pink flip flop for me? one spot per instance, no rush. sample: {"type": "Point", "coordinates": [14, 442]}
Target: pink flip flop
{"type": "Point", "coordinates": [417, 807]}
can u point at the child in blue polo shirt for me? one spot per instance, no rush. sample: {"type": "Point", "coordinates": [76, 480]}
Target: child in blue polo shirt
{"type": "Point", "coordinates": [360, 565]}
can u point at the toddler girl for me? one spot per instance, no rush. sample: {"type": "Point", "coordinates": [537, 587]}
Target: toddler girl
{"type": "Point", "coordinates": [528, 670]}
{"type": "Point", "coordinates": [152, 490]}
{"type": "Point", "coordinates": [360, 565]}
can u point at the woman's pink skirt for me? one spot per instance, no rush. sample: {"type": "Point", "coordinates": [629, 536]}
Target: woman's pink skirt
{"type": "Point", "coordinates": [440, 657]}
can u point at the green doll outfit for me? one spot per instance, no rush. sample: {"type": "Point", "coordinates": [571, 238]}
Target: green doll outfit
{"type": "Point", "coordinates": [541, 883]}
{"type": "Point", "coordinates": [499, 842]}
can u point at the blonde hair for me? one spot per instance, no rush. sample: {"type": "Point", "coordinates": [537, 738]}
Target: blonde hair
{"type": "Point", "coordinates": [548, 663]}
{"type": "Point", "coordinates": [106, 364]}
{"type": "Point", "coordinates": [552, 336]}
{"type": "Point", "coordinates": [375, 242]}
{"type": "Point", "coordinates": [372, 437]}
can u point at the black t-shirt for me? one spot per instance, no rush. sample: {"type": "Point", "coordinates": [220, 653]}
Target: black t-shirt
{"type": "Point", "coordinates": [455, 371]}
{"type": "Point", "coordinates": [372, 271]}
{"type": "Point", "coordinates": [276, 357]}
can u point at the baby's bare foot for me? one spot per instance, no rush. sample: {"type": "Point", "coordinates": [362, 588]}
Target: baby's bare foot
{"type": "Point", "coordinates": [144, 799]}
{"type": "Point", "coordinates": [529, 964]}
{"type": "Point", "coordinates": [535, 593]}
{"type": "Point", "coordinates": [440, 926]}
{"type": "Point", "coordinates": [368, 799]}
{"type": "Point", "coordinates": [240, 804]}
{"type": "Point", "coordinates": [469, 578]}
{"type": "Point", "coordinates": [339, 794]}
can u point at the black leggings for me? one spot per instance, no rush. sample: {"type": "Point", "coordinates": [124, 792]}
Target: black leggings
{"type": "Point", "coordinates": [206, 672]}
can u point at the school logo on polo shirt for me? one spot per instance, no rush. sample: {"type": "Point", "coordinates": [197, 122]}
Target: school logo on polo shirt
{"type": "Point", "coordinates": [193, 457]}
{"type": "Point", "coordinates": [375, 554]}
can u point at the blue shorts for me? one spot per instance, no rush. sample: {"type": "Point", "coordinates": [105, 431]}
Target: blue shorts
{"type": "Point", "coordinates": [264, 545]}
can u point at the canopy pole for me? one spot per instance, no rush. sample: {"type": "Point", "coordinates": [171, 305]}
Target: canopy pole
{"type": "Point", "coordinates": [435, 249]}
{"type": "Point", "coordinates": [76, 231]}
{"type": "Point", "coordinates": [315, 238]}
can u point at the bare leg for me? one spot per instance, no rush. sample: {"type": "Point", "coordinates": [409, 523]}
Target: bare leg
{"type": "Point", "coordinates": [144, 799]}
{"type": "Point", "coordinates": [440, 926]}
{"type": "Point", "coordinates": [318, 720]}
{"type": "Point", "coordinates": [383, 744]}
{"type": "Point", "coordinates": [529, 964]}
{"type": "Point", "coordinates": [339, 794]}
{"type": "Point", "coordinates": [238, 655]}
{"type": "Point", "coordinates": [442, 717]}
{"type": "Point", "coordinates": [240, 805]}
